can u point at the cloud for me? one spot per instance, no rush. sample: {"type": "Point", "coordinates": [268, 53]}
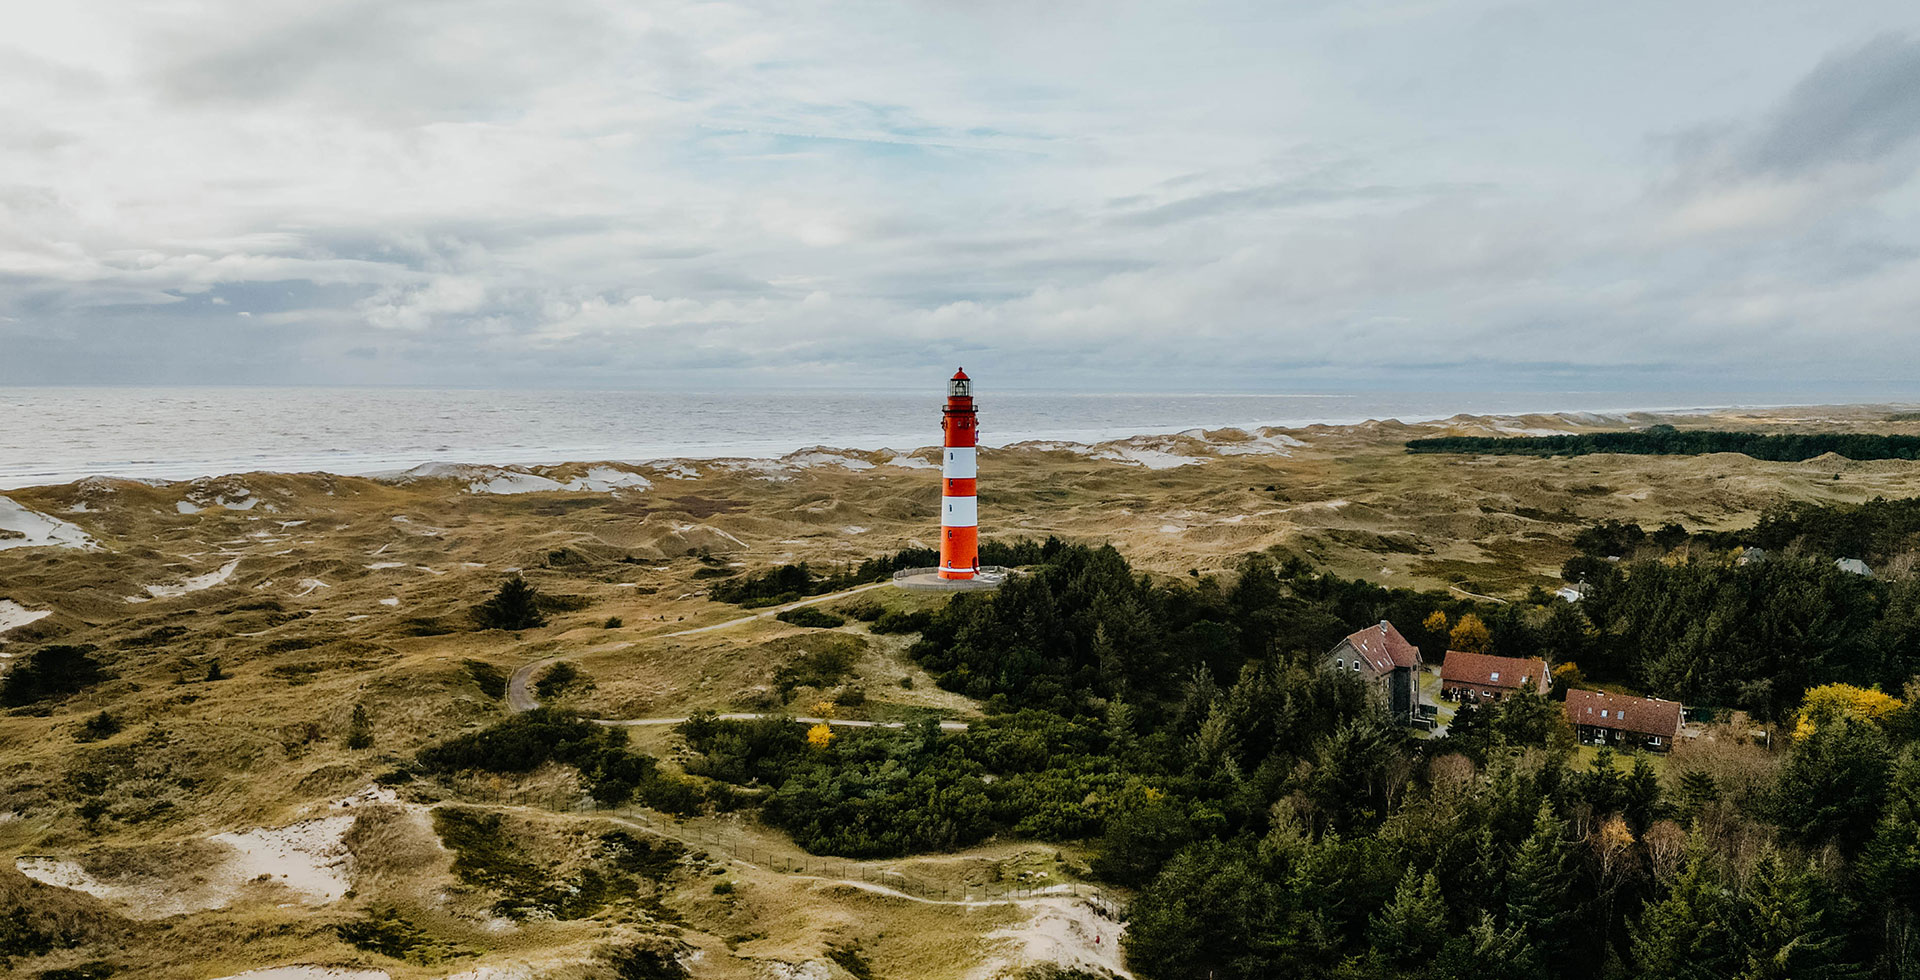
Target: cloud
{"type": "Point", "coordinates": [599, 193]}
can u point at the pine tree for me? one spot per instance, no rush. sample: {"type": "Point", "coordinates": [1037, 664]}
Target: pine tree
{"type": "Point", "coordinates": [1697, 792]}
{"type": "Point", "coordinates": [1412, 927]}
{"type": "Point", "coordinates": [1540, 889]}
{"type": "Point", "coordinates": [1488, 952]}
{"type": "Point", "coordinates": [360, 729]}
{"type": "Point", "coordinates": [515, 607]}
{"type": "Point", "coordinates": [1640, 796]}
{"type": "Point", "coordinates": [1684, 936]}
{"type": "Point", "coordinates": [1777, 926]}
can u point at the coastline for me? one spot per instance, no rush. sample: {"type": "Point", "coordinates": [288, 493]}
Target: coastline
{"type": "Point", "coordinates": [514, 456]}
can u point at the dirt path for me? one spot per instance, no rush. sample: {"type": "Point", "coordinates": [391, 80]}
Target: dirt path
{"type": "Point", "coordinates": [945, 726]}
{"type": "Point", "coordinates": [1061, 892]}
{"type": "Point", "coordinates": [520, 697]}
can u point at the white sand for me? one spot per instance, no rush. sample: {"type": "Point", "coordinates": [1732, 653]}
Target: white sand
{"type": "Point", "coordinates": [14, 615]}
{"type": "Point", "coordinates": [308, 586]}
{"type": "Point", "coordinates": [1067, 932]}
{"type": "Point", "coordinates": [1153, 459]}
{"type": "Point", "coordinates": [308, 857]}
{"type": "Point", "coordinates": [520, 479]}
{"type": "Point", "coordinates": [808, 458]}
{"type": "Point", "coordinates": [379, 565]}
{"type": "Point", "coordinates": [311, 973]}
{"type": "Point", "coordinates": [604, 479]}
{"type": "Point", "coordinates": [198, 583]}
{"type": "Point", "coordinates": [390, 601]}
{"type": "Point", "coordinates": [906, 462]}
{"type": "Point", "coordinates": [38, 530]}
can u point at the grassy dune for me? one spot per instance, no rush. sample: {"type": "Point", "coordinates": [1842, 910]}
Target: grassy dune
{"type": "Point", "coordinates": [356, 592]}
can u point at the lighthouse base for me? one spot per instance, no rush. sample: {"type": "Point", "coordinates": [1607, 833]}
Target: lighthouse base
{"type": "Point", "coordinates": [988, 578]}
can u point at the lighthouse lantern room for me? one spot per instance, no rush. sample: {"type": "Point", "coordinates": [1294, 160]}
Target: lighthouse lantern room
{"type": "Point", "coordinates": [959, 504]}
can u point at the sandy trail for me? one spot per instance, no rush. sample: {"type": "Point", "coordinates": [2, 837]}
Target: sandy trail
{"type": "Point", "coordinates": [520, 697]}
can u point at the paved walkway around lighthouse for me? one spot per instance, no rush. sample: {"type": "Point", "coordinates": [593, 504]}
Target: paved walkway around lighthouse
{"type": "Point", "coordinates": [520, 696]}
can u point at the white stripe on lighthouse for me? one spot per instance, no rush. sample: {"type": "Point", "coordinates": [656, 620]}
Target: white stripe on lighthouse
{"type": "Point", "coordinates": [959, 511]}
{"type": "Point", "coordinates": [960, 464]}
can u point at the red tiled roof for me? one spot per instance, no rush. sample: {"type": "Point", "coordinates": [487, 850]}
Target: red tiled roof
{"type": "Point", "coordinates": [1485, 670]}
{"type": "Point", "coordinates": [1647, 716]}
{"type": "Point", "coordinates": [1382, 648]}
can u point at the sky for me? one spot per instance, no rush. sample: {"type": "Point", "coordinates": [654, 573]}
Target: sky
{"type": "Point", "coordinates": [1193, 196]}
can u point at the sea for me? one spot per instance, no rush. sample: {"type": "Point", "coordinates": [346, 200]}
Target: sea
{"type": "Point", "coordinates": [51, 435]}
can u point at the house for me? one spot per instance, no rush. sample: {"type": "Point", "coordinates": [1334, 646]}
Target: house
{"type": "Point", "coordinates": [1475, 677]}
{"type": "Point", "coordinates": [1390, 665]}
{"type": "Point", "coordinates": [1853, 566]}
{"type": "Point", "coordinates": [1600, 718]}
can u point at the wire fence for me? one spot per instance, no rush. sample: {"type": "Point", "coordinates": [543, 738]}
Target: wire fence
{"type": "Point", "coordinates": [879, 874]}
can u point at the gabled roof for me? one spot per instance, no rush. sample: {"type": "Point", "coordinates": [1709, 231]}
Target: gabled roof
{"type": "Point", "coordinates": [1485, 670]}
{"type": "Point", "coordinates": [1382, 648]}
{"type": "Point", "coordinates": [1647, 716]}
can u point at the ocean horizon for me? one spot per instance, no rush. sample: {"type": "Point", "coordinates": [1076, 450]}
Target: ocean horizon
{"type": "Point", "coordinates": [52, 435]}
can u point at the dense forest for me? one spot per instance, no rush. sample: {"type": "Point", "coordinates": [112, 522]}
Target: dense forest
{"type": "Point", "coordinates": [788, 583]}
{"type": "Point", "coordinates": [1275, 824]}
{"type": "Point", "coordinates": [1689, 616]}
{"type": "Point", "coordinates": [1665, 440]}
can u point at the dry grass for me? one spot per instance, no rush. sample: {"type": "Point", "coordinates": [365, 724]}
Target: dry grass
{"type": "Point", "coordinates": [265, 745]}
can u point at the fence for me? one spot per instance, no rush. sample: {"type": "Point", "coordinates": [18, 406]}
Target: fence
{"type": "Point", "coordinates": [879, 874]}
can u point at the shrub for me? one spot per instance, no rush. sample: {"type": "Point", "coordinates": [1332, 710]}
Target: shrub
{"type": "Point", "coordinates": [360, 729]}
{"type": "Point", "coordinates": [555, 680]}
{"type": "Point", "coordinates": [822, 668]}
{"type": "Point", "coordinates": [102, 725]}
{"type": "Point", "coordinates": [902, 622]}
{"type": "Point", "coordinates": [491, 681]}
{"type": "Point", "coordinates": [386, 932]}
{"type": "Point", "coordinates": [614, 623]}
{"type": "Point", "coordinates": [50, 672]}
{"type": "Point", "coordinates": [811, 617]}
{"type": "Point", "coordinates": [516, 606]}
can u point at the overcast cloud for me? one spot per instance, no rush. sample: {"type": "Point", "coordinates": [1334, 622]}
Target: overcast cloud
{"type": "Point", "coordinates": [1176, 195]}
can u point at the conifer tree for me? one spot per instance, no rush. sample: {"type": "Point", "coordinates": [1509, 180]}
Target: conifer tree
{"type": "Point", "coordinates": [515, 607]}
{"type": "Point", "coordinates": [1684, 936]}
{"type": "Point", "coordinates": [360, 729]}
{"type": "Point", "coordinates": [1640, 796]}
{"type": "Point", "coordinates": [1540, 889]}
{"type": "Point", "coordinates": [1412, 927]}
{"type": "Point", "coordinates": [1488, 952]}
{"type": "Point", "coordinates": [1778, 929]}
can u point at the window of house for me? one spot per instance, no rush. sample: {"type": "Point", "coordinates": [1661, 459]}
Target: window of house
{"type": "Point", "coordinates": [1496, 675]}
{"type": "Point", "coordinates": [1653, 740]}
{"type": "Point", "coordinates": [1603, 712]}
{"type": "Point", "coordinates": [1340, 664]}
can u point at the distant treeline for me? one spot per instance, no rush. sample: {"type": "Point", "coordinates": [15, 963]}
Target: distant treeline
{"type": "Point", "coordinates": [1875, 531]}
{"type": "Point", "coordinates": [789, 583]}
{"type": "Point", "coordinates": [1665, 440]}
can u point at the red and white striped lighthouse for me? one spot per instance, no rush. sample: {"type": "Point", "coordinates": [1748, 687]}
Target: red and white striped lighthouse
{"type": "Point", "coordinates": [959, 506]}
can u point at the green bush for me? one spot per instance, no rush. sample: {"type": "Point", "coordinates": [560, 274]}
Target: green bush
{"type": "Point", "coordinates": [50, 672]}
{"type": "Point", "coordinates": [811, 617]}
{"type": "Point", "coordinates": [516, 606]}
{"type": "Point", "coordinates": [490, 679]}
{"type": "Point", "coordinates": [555, 680]}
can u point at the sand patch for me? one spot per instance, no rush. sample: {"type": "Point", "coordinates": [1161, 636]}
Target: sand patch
{"type": "Point", "coordinates": [311, 973]}
{"type": "Point", "coordinates": [1066, 932]}
{"type": "Point", "coordinates": [307, 861]}
{"type": "Point", "coordinates": [23, 528]}
{"type": "Point", "coordinates": [1153, 459]}
{"type": "Point", "coordinates": [198, 583]}
{"type": "Point", "coordinates": [14, 615]}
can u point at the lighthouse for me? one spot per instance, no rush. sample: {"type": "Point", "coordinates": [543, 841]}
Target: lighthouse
{"type": "Point", "coordinates": [959, 507]}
